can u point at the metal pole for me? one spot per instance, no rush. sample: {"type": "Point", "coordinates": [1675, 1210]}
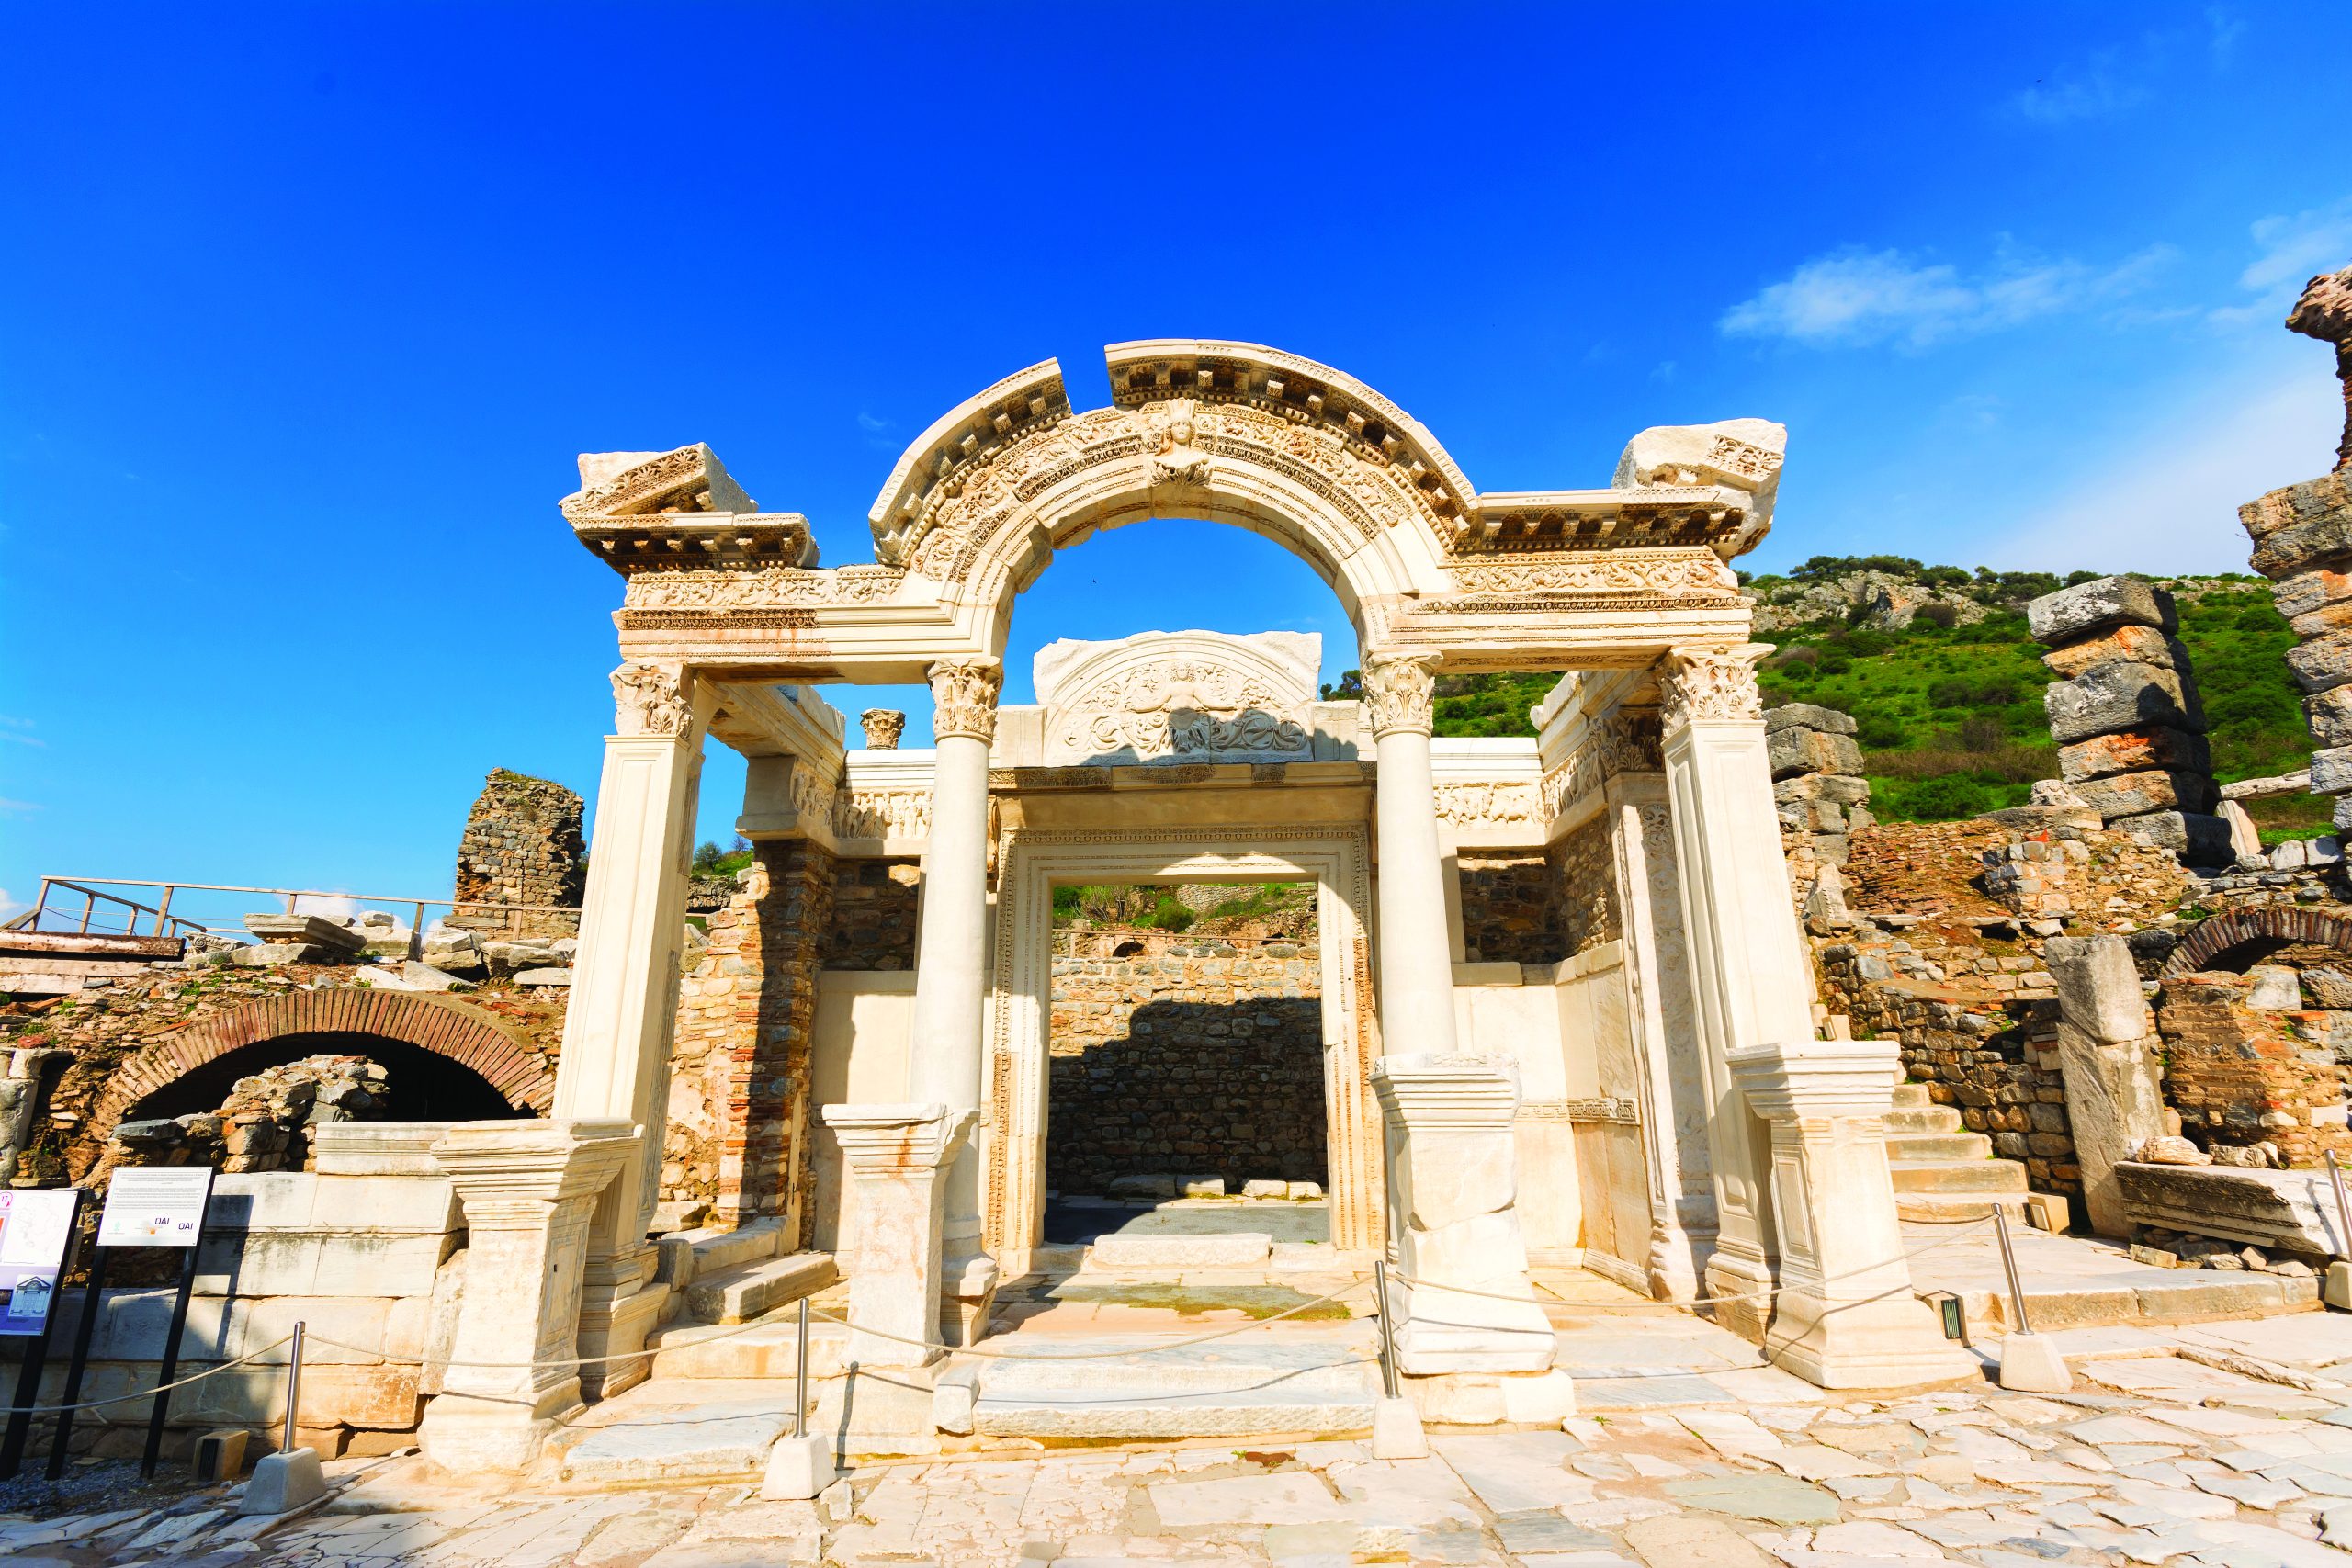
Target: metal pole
{"type": "Point", "coordinates": [2343, 1207]}
{"type": "Point", "coordinates": [1388, 1339]}
{"type": "Point", "coordinates": [800, 1377]}
{"type": "Point", "coordinates": [2009, 1267]}
{"type": "Point", "coordinates": [293, 1387]}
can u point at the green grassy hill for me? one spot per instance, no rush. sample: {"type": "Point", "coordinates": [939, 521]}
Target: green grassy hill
{"type": "Point", "coordinates": [1950, 714]}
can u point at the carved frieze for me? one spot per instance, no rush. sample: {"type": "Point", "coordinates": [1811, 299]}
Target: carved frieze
{"type": "Point", "coordinates": [648, 699]}
{"type": "Point", "coordinates": [963, 696]}
{"type": "Point", "coordinates": [1470, 805]}
{"type": "Point", "coordinates": [1684, 572]}
{"type": "Point", "coordinates": [882, 814]}
{"type": "Point", "coordinates": [764, 589]}
{"type": "Point", "coordinates": [1183, 710]}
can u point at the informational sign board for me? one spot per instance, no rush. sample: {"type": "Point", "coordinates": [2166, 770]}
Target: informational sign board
{"type": "Point", "coordinates": [156, 1205]}
{"type": "Point", "coordinates": [36, 1233]}
{"type": "Point", "coordinates": [29, 1302]}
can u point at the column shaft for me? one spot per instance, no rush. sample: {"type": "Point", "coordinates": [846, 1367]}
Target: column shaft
{"type": "Point", "coordinates": [1416, 957]}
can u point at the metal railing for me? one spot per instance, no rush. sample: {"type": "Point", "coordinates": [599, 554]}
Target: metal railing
{"type": "Point", "coordinates": [161, 921]}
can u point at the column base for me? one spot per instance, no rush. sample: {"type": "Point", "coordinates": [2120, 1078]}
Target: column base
{"type": "Point", "coordinates": [617, 1325]}
{"type": "Point", "coordinates": [966, 1299]}
{"type": "Point", "coordinates": [469, 1436]}
{"type": "Point", "coordinates": [880, 1410]}
{"type": "Point", "coordinates": [1893, 1342]}
{"type": "Point", "coordinates": [1425, 1349]}
{"type": "Point", "coordinates": [1673, 1265]}
{"type": "Point", "coordinates": [1731, 1275]}
{"type": "Point", "coordinates": [1472, 1399]}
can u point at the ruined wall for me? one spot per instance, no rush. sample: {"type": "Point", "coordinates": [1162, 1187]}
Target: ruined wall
{"type": "Point", "coordinates": [739, 1089]}
{"type": "Point", "coordinates": [2254, 1074]}
{"type": "Point", "coordinates": [1203, 1060]}
{"type": "Point", "coordinates": [1817, 788]}
{"type": "Point", "coordinates": [873, 926]}
{"type": "Point", "coordinates": [522, 845]}
{"type": "Point", "coordinates": [1510, 908]}
{"type": "Point", "coordinates": [1585, 871]}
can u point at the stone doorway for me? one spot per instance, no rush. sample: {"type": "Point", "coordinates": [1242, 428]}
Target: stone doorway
{"type": "Point", "coordinates": [1185, 1066]}
{"type": "Point", "coordinates": [1043, 985]}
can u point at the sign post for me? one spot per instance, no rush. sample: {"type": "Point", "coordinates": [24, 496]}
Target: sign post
{"type": "Point", "coordinates": [37, 1233]}
{"type": "Point", "coordinates": [146, 1206]}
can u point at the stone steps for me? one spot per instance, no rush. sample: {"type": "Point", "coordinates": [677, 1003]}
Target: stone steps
{"type": "Point", "coordinates": [688, 1256]}
{"type": "Point", "coordinates": [754, 1290]}
{"type": "Point", "coordinates": [1232, 1389]}
{"type": "Point", "coordinates": [1923, 1119]}
{"type": "Point", "coordinates": [1971, 1177]}
{"type": "Point", "coordinates": [1916, 1147]}
{"type": "Point", "coordinates": [769, 1350]}
{"type": "Point", "coordinates": [1953, 1206]}
{"type": "Point", "coordinates": [1911, 1096]}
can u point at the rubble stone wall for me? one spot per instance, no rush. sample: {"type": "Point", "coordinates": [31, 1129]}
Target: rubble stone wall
{"type": "Point", "coordinates": [522, 845]}
{"type": "Point", "coordinates": [873, 925]}
{"type": "Point", "coordinates": [2242, 1076]}
{"type": "Point", "coordinates": [1584, 871]}
{"type": "Point", "coordinates": [1511, 909]}
{"type": "Point", "coordinates": [1204, 1060]}
{"type": "Point", "coordinates": [1818, 786]}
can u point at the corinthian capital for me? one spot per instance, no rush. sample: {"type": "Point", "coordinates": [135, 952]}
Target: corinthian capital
{"type": "Point", "coordinates": [1398, 693]}
{"type": "Point", "coordinates": [649, 699]}
{"type": "Point", "coordinates": [963, 698]}
{"type": "Point", "coordinates": [1712, 684]}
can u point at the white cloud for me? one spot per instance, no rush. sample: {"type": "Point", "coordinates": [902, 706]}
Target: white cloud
{"type": "Point", "coordinates": [2296, 248]}
{"type": "Point", "coordinates": [11, 906]}
{"type": "Point", "coordinates": [2167, 500]}
{"type": "Point", "coordinates": [13, 729]}
{"type": "Point", "coordinates": [1863, 297]}
{"type": "Point", "coordinates": [17, 807]}
{"type": "Point", "coordinates": [2095, 91]}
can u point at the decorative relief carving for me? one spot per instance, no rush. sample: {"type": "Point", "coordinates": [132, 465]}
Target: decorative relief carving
{"type": "Point", "coordinates": [1398, 693]}
{"type": "Point", "coordinates": [1183, 710]}
{"type": "Point", "coordinates": [814, 795]}
{"type": "Point", "coordinates": [1702, 683]}
{"type": "Point", "coordinates": [1173, 428]}
{"type": "Point", "coordinates": [1488, 805]}
{"type": "Point", "coordinates": [1746, 458]}
{"type": "Point", "coordinates": [963, 696]}
{"type": "Point", "coordinates": [648, 699]}
{"type": "Point", "coordinates": [671, 477]}
{"type": "Point", "coordinates": [1694, 573]}
{"type": "Point", "coordinates": [767, 589]}
{"type": "Point", "coordinates": [1602, 1109]}
{"type": "Point", "coordinates": [1628, 740]}
{"type": "Point", "coordinates": [882, 814]}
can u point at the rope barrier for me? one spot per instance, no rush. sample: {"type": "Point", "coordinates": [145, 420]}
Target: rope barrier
{"type": "Point", "coordinates": [159, 1388]}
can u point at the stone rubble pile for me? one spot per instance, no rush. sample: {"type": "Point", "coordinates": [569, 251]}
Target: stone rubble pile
{"type": "Point", "coordinates": [264, 1123]}
{"type": "Point", "coordinates": [2126, 716]}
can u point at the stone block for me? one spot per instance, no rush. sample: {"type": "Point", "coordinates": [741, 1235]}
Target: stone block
{"type": "Point", "coordinates": [2135, 750]}
{"type": "Point", "coordinates": [2332, 771]}
{"type": "Point", "coordinates": [539, 978]}
{"type": "Point", "coordinates": [2072, 613]}
{"type": "Point", "coordinates": [1792, 751]}
{"type": "Point", "coordinates": [312, 931]}
{"type": "Point", "coordinates": [2197, 839]}
{"type": "Point", "coordinates": [1808, 716]}
{"type": "Point", "coordinates": [282, 1483]}
{"type": "Point", "coordinates": [2311, 591]}
{"type": "Point", "coordinates": [1237, 1250]}
{"type": "Point", "coordinates": [2144, 645]}
{"type": "Point", "coordinates": [799, 1468]}
{"type": "Point", "coordinates": [378, 1148]}
{"type": "Point", "coordinates": [2329, 713]}
{"type": "Point", "coordinates": [2323, 663]}
{"type": "Point", "coordinates": [1838, 789]}
{"type": "Point", "coordinates": [2300, 528]}
{"type": "Point", "coordinates": [2136, 794]}
{"type": "Point", "coordinates": [219, 1456]}
{"type": "Point", "coordinates": [2116, 697]}
{"type": "Point", "coordinates": [271, 955]}
{"type": "Point", "coordinates": [1143, 1186]}
{"type": "Point", "coordinates": [2273, 987]}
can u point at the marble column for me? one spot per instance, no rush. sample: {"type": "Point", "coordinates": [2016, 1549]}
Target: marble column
{"type": "Point", "coordinates": [1751, 980]}
{"type": "Point", "coordinates": [529, 1189]}
{"type": "Point", "coordinates": [1846, 1316]}
{"type": "Point", "coordinates": [1415, 962]}
{"type": "Point", "coordinates": [622, 1019]}
{"type": "Point", "coordinates": [951, 970]}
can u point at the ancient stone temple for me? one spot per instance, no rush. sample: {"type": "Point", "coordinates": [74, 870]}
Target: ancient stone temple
{"type": "Point", "coordinates": [1560, 1009]}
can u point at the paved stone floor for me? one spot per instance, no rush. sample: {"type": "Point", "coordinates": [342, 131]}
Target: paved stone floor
{"type": "Point", "coordinates": [1078, 1221]}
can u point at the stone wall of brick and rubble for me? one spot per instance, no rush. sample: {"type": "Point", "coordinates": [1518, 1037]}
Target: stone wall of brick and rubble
{"type": "Point", "coordinates": [740, 1073]}
{"type": "Point", "coordinates": [1202, 1059]}
{"type": "Point", "coordinates": [522, 845]}
{"type": "Point", "coordinates": [1512, 907]}
{"type": "Point", "coordinates": [873, 914]}
{"type": "Point", "coordinates": [2126, 716]}
{"type": "Point", "coordinates": [1818, 789]}
{"type": "Point", "coordinates": [264, 1125]}
{"type": "Point", "coordinates": [1584, 875]}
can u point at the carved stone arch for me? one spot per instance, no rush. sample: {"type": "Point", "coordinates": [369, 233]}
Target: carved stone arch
{"type": "Point", "coordinates": [444, 1027]}
{"type": "Point", "coordinates": [2244, 937]}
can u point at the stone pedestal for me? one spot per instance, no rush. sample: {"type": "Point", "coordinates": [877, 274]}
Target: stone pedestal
{"type": "Point", "coordinates": [617, 1031]}
{"type": "Point", "coordinates": [1846, 1316]}
{"type": "Point", "coordinates": [898, 1155]}
{"type": "Point", "coordinates": [528, 1189]}
{"type": "Point", "coordinates": [951, 979]}
{"type": "Point", "coordinates": [1453, 1187]}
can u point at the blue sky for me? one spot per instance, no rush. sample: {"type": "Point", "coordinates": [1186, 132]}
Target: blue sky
{"type": "Point", "coordinates": [308, 309]}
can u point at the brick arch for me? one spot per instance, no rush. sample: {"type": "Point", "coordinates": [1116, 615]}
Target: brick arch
{"type": "Point", "coordinates": [2265, 930]}
{"type": "Point", "coordinates": [448, 1028]}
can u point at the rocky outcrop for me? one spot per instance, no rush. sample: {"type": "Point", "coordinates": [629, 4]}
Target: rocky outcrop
{"type": "Point", "coordinates": [2126, 718]}
{"type": "Point", "coordinates": [1878, 599]}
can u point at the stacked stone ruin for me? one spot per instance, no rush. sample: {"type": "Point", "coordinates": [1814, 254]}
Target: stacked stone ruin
{"type": "Point", "coordinates": [522, 845]}
{"type": "Point", "coordinates": [2125, 714]}
{"type": "Point", "coordinates": [2302, 542]}
{"type": "Point", "coordinates": [1822, 796]}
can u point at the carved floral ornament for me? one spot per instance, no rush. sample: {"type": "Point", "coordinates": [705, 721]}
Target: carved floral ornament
{"type": "Point", "coordinates": [649, 699]}
{"type": "Point", "coordinates": [1399, 693]}
{"type": "Point", "coordinates": [1184, 709]}
{"type": "Point", "coordinates": [963, 696]}
{"type": "Point", "coordinates": [1712, 684]}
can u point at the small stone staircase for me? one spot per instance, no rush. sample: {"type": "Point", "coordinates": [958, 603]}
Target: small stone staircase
{"type": "Point", "coordinates": [1940, 1171]}
{"type": "Point", "coordinates": [724, 1277]}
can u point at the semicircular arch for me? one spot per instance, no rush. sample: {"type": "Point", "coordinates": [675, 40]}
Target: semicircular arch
{"type": "Point", "coordinates": [2244, 937]}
